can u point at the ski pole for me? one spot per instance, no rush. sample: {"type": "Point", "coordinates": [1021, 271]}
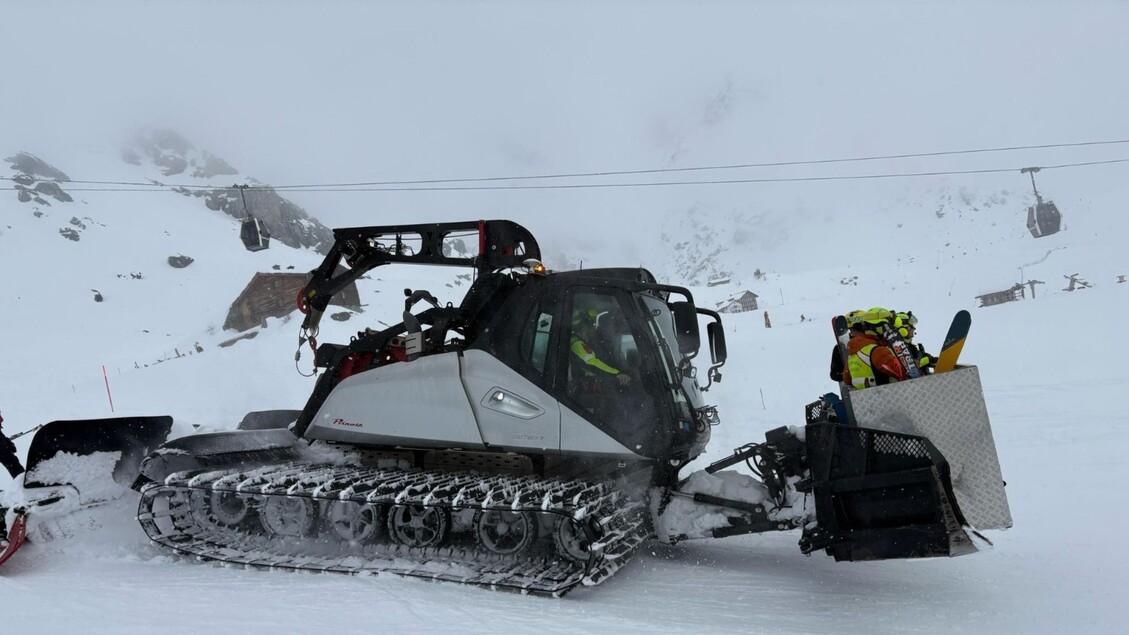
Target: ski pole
{"type": "Point", "coordinates": [20, 434]}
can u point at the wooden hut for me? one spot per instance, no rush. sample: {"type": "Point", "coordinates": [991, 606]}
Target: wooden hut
{"type": "Point", "coordinates": [745, 301]}
{"type": "Point", "coordinates": [999, 297]}
{"type": "Point", "coordinates": [275, 294]}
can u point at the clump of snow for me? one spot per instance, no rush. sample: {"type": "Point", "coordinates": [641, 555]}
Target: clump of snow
{"type": "Point", "coordinates": [684, 518]}
{"type": "Point", "coordinates": [91, 474]}
{"type": "Point", "coordinates": [726, 484]}
{"type": "Point", "coordinates": [330, 454]}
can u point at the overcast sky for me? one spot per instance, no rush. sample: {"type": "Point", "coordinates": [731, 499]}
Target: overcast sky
{"type": "Point", "coordinates": [313, 92]}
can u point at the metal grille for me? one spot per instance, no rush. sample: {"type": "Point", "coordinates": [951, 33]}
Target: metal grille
{"type": "Point", "coordinates": [481, 461]}
{"type": "Point", "coordinates": [904, 446]}
{"type": "Point", "coordinates": [815, 412]}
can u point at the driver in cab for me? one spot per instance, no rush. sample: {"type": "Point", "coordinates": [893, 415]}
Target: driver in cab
{"type": "Point", "coordinates": [592, 368]}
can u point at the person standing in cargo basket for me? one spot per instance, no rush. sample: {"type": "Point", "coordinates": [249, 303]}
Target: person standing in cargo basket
{"type": "Point", "coordinates": [906, 324]}
{"type": "Point", "coordinates": [869, 361]}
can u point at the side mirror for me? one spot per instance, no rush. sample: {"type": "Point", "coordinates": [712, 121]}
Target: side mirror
{"type": "Point", "coordinates": [716, 335]}
{"type": "Point", "coordinates": [686, 327]}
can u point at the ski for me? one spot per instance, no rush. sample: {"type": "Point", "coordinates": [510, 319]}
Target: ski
{"type": "Point", "coordinates": [954, 342]}
{"type": "Point", "coordinates": [16, 537]}
{"type": "Point", "coordinates": [838, 367]}
{"type": "Point", "coordinates": [842, 336]}
{"type": "Point", "coordinates": [901, 349]}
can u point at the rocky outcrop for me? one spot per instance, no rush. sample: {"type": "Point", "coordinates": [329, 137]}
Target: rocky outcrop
{"type": "Point", "coordinates": [288, 223]}
{"type": "Point", "coordinates": [179, 262]}
{"type": "Point", "coordinates": [174, 155]}
{"type": "Point", "coordinates": [198, 174]}
{"type": "Point", "coordinates": [711, 243]}
{"type": "Point", "coordinates": [35, 180]}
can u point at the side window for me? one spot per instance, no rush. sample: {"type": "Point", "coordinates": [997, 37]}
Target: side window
{"type": "Point", "coordinates": [543, 324]}
{"type": "Point", "coordinates": [535, 338]}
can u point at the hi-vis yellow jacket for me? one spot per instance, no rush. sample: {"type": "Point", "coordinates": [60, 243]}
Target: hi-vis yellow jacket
{"type": "Point", "coordinates": [870, 363]}
{"type": "Point", "coordinates": [581, 349]}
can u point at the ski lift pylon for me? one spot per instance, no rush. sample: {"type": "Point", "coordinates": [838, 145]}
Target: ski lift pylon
{"type": "Point", "coordinates": [252, 231]}
{"type": "Point", "coordinates": [1043, 218]}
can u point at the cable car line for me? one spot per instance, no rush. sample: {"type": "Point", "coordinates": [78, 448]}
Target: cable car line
{"type": "Point", "coordinates": [712, 167]}
{"type": "Point", "coordinates": [576, 186]}
{"type": "Point", "coordinates": [322, 186]}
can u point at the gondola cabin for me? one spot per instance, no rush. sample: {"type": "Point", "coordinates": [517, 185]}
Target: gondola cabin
{"type": "Point", "coordinates": [254, 234]}
{"type": "Point", "coordinates": [1043, 219]}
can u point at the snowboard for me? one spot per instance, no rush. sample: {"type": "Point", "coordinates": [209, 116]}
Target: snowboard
{"type": "Point", "coordinates": [954, 342]}
{"type": "Point", "coordinates": [16, 535]}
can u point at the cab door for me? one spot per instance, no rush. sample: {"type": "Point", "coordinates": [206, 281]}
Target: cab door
{"type": "Point", "coordinates": [512, 395]}
{"type": "Point", "coordinates": [512, 413]}
{"type": "Point", "coordinates": [606, 373]}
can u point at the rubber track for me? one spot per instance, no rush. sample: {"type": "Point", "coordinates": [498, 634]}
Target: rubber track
{"type": "Point", "coordinates": [615, 524]}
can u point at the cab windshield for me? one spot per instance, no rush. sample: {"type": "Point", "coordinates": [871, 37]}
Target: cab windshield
{"type": "Point", "coordinates": [678, 373]}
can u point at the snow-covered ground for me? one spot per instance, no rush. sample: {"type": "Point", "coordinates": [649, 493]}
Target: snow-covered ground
{"type": "Point", "coordinates": [1052, 368]}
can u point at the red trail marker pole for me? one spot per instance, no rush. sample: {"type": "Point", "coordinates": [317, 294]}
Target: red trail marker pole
{"type": "Point", "coordinates": [108, 395]}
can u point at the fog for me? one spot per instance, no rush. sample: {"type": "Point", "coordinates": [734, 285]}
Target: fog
{"type": "Point", "coordinates": [313, 92]}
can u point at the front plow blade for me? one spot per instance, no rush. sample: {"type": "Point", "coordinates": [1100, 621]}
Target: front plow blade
{"type": "Point", "coordinates": [66, 452]}
{"type": "Point", "coordinates": [218, 451]}
{"type": "Point", "coordinates": [881, 495]}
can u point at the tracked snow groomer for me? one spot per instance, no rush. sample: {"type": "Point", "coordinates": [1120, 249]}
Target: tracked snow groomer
{"type": "Point", "coordinates": [480, 443]}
